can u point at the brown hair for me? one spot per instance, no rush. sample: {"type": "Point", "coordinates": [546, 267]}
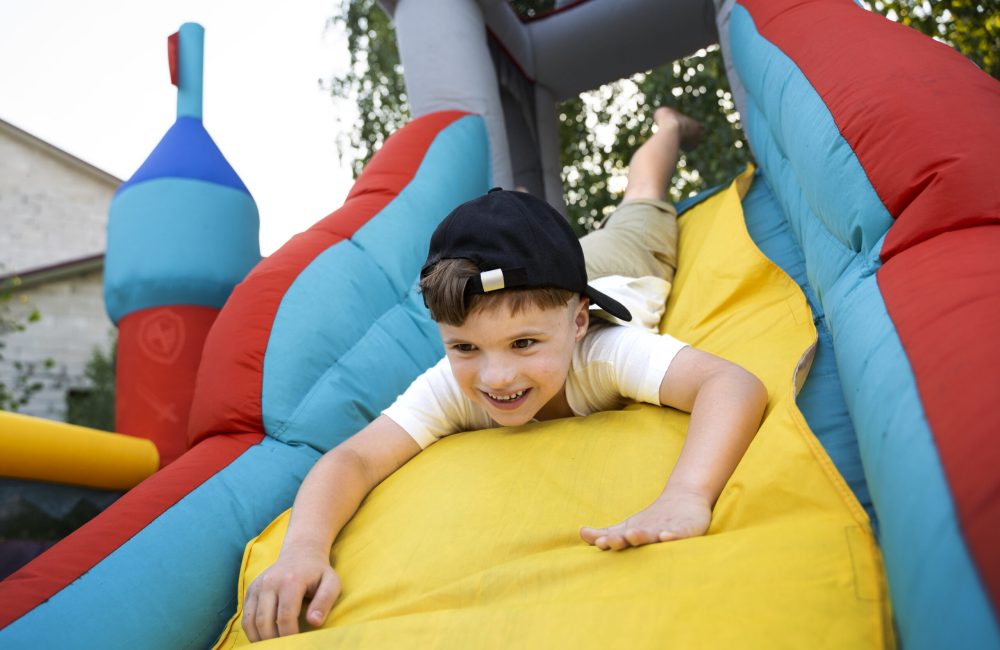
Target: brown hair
{"type": "Point", "coordinates": [443, 287]}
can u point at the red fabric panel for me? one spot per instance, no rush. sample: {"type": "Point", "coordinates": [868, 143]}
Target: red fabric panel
{"type": "Point", "coordinates": [923, 122]}
{"type": "Point", "coordinates": [921, 118]}
{"type": "Point", "coordinates": [943, 297]}
{"type": "Point", "coordinates": [172, 42]}
{"type": "Point", "coordinates": [227, 395]}
{"type": "Point", "coordinates": [45, 576]}
{"type": "Point", "coordinates": [159, 350]}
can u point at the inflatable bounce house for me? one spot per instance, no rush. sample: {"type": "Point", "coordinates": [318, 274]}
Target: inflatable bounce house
{"type": "Point", "coordinates": [854, 271]}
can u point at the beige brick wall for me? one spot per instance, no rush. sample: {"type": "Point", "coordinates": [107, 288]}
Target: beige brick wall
{"type": "Point", "coordinates": [53, 207]}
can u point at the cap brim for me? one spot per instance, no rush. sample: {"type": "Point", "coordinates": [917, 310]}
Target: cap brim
{"type": "Point", "coordinates": [608, 304]}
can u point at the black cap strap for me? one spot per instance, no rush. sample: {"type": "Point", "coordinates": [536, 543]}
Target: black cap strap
{"type": "Point", "coordinates": [495, 280]}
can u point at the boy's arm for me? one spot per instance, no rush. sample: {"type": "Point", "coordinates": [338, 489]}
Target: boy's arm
{"type": "Point", "coordinates": [328, 498]}
{"type": "Point", "coordinates": [726, 404]}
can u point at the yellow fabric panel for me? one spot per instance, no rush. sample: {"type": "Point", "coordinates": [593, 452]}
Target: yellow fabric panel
{"type": "Point", "coordinates": [46, 450]}
{"type": "Point", "coordinates": [474, 543]}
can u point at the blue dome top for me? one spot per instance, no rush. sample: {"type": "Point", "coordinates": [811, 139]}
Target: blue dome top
{"type": "Point", "coordinates": [187, 151]}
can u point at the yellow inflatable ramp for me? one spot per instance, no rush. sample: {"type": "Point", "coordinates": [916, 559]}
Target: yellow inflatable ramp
{"type": "Point", "coordinates": [474, 543]}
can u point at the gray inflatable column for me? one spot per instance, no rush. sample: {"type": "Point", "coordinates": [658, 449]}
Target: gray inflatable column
{"type": "Point", "coordinates": [723, 10]}
{"type": "Point", "coordinates": [549, 147]}
{"type": "Point", "coordinates": [447, 66]}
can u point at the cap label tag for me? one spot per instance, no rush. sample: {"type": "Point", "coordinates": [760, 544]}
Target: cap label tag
{"type": "Point", "coordinates": [492, 280]}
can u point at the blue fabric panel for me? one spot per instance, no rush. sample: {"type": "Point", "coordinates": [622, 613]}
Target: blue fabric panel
{"type": "Point", "coordinates": [178, 242]}
{"type": "Point", "coordinates": [350, 333]}
{"type": "Point", "coordinates": [821, 399]}
{"type": "Point", "coordinates": [399, 346]}
{"type": "Point", "coordinates": [937, 596]}
{"type": "Point", "coordinates": [173, 585]}
{"type": "Point", "coordinates": [187, 151]}
{"type": "Point", "coordinates": [328, 309]}
{"type": "Point", "coordinates": [190, 59]}
{"type": "Point", "coordinates": [828, 257]}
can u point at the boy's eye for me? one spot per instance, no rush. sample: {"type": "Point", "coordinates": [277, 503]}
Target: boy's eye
{"type": "Point", "coordinates": [521, 344]}
{"type": "Point", "coordinates": [464, 347]}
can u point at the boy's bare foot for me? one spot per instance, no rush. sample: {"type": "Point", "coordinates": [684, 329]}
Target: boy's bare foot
{"type": "Point", "coordinates": [689, 129]}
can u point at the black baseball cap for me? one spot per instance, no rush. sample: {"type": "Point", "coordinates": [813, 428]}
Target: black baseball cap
{"type": "Point", "coordinates": [518, 241]}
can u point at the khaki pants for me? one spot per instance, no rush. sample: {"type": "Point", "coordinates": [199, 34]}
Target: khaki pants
{"type": "Point", "coordinates": [638, 239]}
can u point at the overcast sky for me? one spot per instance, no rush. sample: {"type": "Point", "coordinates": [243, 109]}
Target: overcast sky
{"type": "Point", "coordinates": [92, 79]}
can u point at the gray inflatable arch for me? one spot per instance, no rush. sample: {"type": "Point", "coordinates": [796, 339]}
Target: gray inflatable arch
{"type": "Point", "coordinates": [477, 55]}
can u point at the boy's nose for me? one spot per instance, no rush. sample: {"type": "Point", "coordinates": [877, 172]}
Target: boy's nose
{"type": "Point", "coordinates": [498, 374]}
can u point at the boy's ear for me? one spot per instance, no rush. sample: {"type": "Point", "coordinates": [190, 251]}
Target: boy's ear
{"type": "Point", "coordinates": [582, 317]}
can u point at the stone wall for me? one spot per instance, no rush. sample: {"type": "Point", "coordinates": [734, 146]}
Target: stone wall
{"type": "Point", "coordinates": [53, 207]}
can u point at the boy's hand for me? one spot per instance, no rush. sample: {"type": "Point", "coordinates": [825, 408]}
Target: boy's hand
{"type": "Point", "coordinates": [672, 516]}
{"type": "Point", "coordinates": [275, 598]}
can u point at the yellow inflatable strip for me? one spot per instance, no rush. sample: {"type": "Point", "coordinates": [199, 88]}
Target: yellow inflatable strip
{"type": "Point", "coordinates": [46, 450]}
{"type": "Point", "coordinates": [474, 543]}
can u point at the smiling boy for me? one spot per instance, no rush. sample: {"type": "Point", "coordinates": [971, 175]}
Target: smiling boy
{"type": "Point", "coordinates": [507, 282]}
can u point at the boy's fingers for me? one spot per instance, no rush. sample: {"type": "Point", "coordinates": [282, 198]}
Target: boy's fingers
{"type": "Point", "coordinates": [288, 607]}
{"type": "Point", "coordinates": [249, 612]}
{"type": "Point", "coordinates": [326, 595]}
{"type": "Point", "coordinates": [590, 535]}
{"type": "Point", "coordinates": [617, 541]}
{"type": "Point", "coordinates": [640, 536]}
{"type": "Point", "coordinates": [264, 618]}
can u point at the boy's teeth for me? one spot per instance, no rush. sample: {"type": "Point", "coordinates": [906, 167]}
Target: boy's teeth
{"type": "Point", "coordinates": [507, 398]}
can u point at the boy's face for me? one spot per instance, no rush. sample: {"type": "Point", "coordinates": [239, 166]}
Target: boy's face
{"type": "Point", "coordinates": [513, 365]}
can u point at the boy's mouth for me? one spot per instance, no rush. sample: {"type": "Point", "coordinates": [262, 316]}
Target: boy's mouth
{"type": "Point", "coordinates": [509, 401]}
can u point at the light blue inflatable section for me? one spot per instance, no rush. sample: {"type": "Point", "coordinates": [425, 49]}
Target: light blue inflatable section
{"type": "Point", "coordinates": [191, 57]}
{"type": "Point", "coordinates": [173, 585]}
{"type": "Point", "coordinates": [178, 241]}
{"type": "Point", "coordinates": [821, 399]}
{"type": "Point", "coordinates": [840, 224]}
{"type": "Point", "coordinates": [323, 384]}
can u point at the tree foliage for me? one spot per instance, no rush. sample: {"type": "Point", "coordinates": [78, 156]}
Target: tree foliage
{"type": "Point", "coordinates": [970, 26]}
{"type": "Point", "coordinates": [25, 381]}
{"type": "Point", "coordinates": [94, 404]}
{"type": "Point", "coordinates": [602, 128]}
{"type": "Point", "coordinates": [374, 80]}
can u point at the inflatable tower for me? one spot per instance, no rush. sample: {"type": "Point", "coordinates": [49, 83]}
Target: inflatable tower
{"type": "Point", "coordinates": [182, 231]}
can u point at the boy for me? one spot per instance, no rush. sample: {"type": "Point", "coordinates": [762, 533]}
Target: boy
{"type": "Point", "coordinates": [507, 284]}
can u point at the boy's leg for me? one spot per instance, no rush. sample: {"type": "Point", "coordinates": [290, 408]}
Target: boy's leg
{"type": "Point", "coordinates": [640, 237]}
{"type": "Point", "coordinates": [653, 164]}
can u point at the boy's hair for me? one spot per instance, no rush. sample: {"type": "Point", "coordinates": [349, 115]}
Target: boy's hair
{"type": "Point", "coordinates": [443, 287]}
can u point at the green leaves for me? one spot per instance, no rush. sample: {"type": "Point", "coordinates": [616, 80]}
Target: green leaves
{"type": "Point", "coordinates": [374, 80]}
{"type": "Point", "coordinates": [18, 387]}
{"type": "Point", "coordinates": [970, 26]}
{"type": "Point", "coordinates": [93, 405]}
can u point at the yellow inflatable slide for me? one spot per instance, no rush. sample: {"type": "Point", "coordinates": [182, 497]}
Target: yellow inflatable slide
{"type": "Point", "coordinates": [474, 543]}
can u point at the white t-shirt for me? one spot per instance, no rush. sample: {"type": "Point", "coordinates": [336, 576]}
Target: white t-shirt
{"type": "Point", "coordinates": [611, 366]}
